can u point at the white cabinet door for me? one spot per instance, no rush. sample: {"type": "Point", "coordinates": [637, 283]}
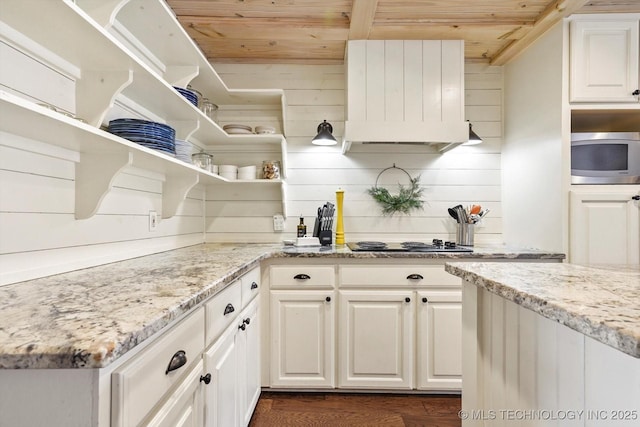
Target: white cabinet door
{"type": "Point", "coordinates": [604, 60]}
{"type": "Point", "coordinates": [185, 406]}
{"type": "Point", "coordinates": [439, 340]}
{"type": "Point", "coordinates": [605, 226]}
{"type": "Point", "coordinates": [221, 395]}
{"type": "Point", "coordinates": [249, 361]}
{"type": "Point", "coordinates": [376, 339]}
{"type": "Point", "coordinates": [302, 339]}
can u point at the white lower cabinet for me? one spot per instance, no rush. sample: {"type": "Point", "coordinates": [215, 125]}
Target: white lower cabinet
{"type": "Point", "coordinates": [605, 225]}
{"type": "Point", "coordinates": [152, 377]}
{"type": "Point", "coordinates": [386, 327]}
{"type": "Point", "coordinates": [439, 340]}
{"type": "Point", "coordinates": [248, 344]}
{"type": "Point", "coordinates": [185, 407]}
{"type": "Point", "coordinates": [376, 339]}
{"type": "Point", "coordinates": [233, 361]}
{"type": "Point", "coordinates": [221, 395]}
{"type": "Point", "coordinates": [302, 338]}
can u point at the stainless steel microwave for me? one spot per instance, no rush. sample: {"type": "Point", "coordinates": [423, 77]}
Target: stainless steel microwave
{"type": "Point", "coordinates": [605, 158]}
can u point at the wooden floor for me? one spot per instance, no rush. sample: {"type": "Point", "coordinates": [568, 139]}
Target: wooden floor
{"type": "Point", "coordinates": [343, 409]}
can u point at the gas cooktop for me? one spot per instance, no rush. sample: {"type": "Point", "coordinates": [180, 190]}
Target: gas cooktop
{"type": "Point", "coordinates": [436, 245]}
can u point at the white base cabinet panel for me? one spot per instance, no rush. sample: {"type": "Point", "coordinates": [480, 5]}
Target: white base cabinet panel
{"type": "Point", "coordinates": [249, 361]}
{"type": "Point", "coordinates": [519, 364]}
{"type": "Point", "coordinates": [376, 339]}
{"type": "Point", "coordinates": [302, 339]}
{"type": "Point", "coordinates": [439, 342]}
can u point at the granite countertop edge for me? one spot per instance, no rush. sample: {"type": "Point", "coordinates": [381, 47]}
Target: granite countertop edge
{"type": "Point", "coordinates": [23, 349]}
{"type": "Point", "coordinates": [609, 331]}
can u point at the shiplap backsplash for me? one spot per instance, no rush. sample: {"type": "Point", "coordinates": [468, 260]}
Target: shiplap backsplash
{"type": "Point", "coordinates": [39, 234]}
{"type": "Point", "coordinates": [464, 175]}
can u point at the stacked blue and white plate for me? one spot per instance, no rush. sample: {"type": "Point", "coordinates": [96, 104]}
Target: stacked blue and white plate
{"type": "Point", "coordinates": [153, 135]}
{"type": "Point", "coordinates": [190, 95]}
{"type": "Point", "coordinates": [184, 150]}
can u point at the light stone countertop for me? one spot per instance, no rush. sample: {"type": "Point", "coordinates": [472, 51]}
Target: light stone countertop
{"type": "Point", "coordinates": [89, 318]}
{"type": "Point", "coordinates": [602, 302]}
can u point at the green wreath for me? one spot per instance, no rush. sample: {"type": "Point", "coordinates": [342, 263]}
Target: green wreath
{"type": "Point", "coordinates": [407, 199]}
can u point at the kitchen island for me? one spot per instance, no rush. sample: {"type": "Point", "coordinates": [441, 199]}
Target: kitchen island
{"type": "Point", "coordinates": [64, 338]}
{"type": "Point", "coordinates": [550, 344]}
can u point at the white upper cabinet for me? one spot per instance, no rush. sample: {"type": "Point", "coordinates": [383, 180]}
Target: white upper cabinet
{"type": "Point", "coordinates": [604, 59]}
{"type": "Point", "coordinates": [405, 91]}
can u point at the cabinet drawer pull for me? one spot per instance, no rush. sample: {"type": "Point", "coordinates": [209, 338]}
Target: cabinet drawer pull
{"type": "Point", "coordinates": [247, 320]}
{"type": "Point", "coordinates": [635, 198]}
{"type": "Point", "coordinates": [407, 299]}
{"type": "Point", "coordinates": [302, 277]}
{"type": "Point", "coordinates": [254, 285]}
{"type": "Point", "coordinates": [328, 299]}
{"type": "Point", "coordinates": [636, 92]}
{"type": "Point", "coordinates": [243, 326]}
{"type": "Point", "coordinates": [229, 309]}
{"type": "Point", "coordinates": [415, 276]}
{"type": "Point", "coordinates": [177, 361]}
{"type": "Point", "coordinates": [205, 379]}
{"type": "Point", "coordinates": [424, 299]}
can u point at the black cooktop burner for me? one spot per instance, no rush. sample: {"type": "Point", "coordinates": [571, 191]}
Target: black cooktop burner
{"type": "Point", "coordinates": [437, 245]}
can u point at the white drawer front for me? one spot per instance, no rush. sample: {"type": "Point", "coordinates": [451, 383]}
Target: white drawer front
{"type": "Point", "coordinates": [303, 276]}
{"type": "Point", "coordinates": [405, 275]}
{"type": "Point", "coordinates": [228, 301]}
{"type": "Point", "coordinates": [250, 286]}
{"type": "Point", "coordinates": [141, 383]}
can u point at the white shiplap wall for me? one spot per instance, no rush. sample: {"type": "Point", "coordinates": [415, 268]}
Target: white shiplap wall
{"type": "Point", "coordinates": [39, 234]}
{"type": "Point", "coordinates": [464, 175]}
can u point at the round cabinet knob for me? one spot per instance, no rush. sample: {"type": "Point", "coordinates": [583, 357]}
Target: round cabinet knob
{"type": "Point", "coordinates": [254, 285]}
{"type": "Point", "coordinates": [205, 378]}
{"type": "Point", "coordinates": [328, 299]}
{"type": "Point", "coordinates": [636, 92]}
{"type": "Point", "coordinates": [407, 299]}
{"type": "Point", "coordinates": [424, 299]}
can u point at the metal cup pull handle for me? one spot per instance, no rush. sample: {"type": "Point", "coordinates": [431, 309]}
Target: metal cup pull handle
{"type": "Point", "coordinates": [415, 277]}
{"type": "Point", "coordinates": [229, 309]}
{"type": "Point", "coordinates": [178, 360]}
{"type": "Point", "coordinates": [302, 277]}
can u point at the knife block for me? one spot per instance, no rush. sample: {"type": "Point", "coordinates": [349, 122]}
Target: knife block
{"type": "Point", "coordinates": [325, 237]}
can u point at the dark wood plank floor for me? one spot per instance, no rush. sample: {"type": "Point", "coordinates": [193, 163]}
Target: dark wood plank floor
{"type": "Point", "coordinates": [348, 409]}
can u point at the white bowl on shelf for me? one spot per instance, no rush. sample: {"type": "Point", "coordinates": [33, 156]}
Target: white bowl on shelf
{"type": "Point", "coordinates": [228, 168]}
{"type": "Point", "coordinates": [265, 129]}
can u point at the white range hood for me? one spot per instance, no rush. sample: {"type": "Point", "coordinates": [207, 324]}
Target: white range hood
{"type": "Point", "coordinates": [405, 92]}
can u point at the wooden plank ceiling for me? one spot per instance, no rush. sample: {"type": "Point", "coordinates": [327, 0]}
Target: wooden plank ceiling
{"type": "Point", "coordinates": [316, 31]}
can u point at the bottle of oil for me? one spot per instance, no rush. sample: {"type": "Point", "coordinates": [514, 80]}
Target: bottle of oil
{"type": "Point", "coordinates": [302, 229]}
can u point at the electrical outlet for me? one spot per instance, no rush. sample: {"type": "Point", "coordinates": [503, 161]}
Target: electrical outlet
{"type": "Point", "coordinates": [153, 220]}
{"type": "Point", "coordinates": [278, 223]}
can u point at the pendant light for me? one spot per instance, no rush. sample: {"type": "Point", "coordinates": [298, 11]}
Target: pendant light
{"type": "Point", "coordinates": [473, 137]}
{"type": "Point", "coordinates": [324, 136]}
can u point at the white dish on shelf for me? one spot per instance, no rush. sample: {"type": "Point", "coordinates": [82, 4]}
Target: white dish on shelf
{"type": "Point", "coordinates": [265, 129]}
{"type": "Point", "coordinates": [238, 131]}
